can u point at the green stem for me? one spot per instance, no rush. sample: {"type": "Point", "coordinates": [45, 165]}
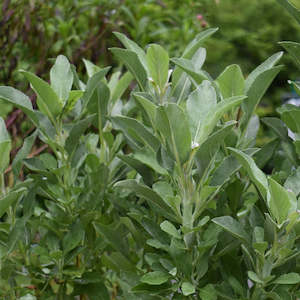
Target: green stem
{"type": "Point", "coordinates": [257, 293]}
{"type": "Point", "coordinates": [2, 183]}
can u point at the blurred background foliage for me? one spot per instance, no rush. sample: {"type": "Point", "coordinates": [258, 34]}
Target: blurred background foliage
{"type": "Point", "coordinates": [34, 31]}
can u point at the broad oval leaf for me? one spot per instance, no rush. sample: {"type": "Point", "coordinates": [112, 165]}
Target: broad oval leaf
{"type": "Point", "coordinates": [172, 123]}
{"type": "Point", "coordinates": [169, 228]}
{"type": "Point", "coordinates": [231, 82]}
{"type": "Point", "coordinates": [187, 288]}
{"type": "Point", "coordinates": [155, 278]}
{"type": "Point", "coordinates": [158, 65]}
{"type": "Point", "coordinates": [61, 78]}
{"type": "Point", "coordinates": [281, 201]}
{"type": "Point", "coordinates": [200, 102]}
{"type": "Point", "coordinates": [289, 278]}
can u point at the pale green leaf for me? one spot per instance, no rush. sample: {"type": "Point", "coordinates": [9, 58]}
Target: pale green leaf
{"type": "Point", "coordinates": [231, 82]}
{"type": "Point", "coordinates": [199, 103]}
{"type": "Point", "coordinates": [289, 278]}
{"type": "Point", "coordinates": [213, 117]}
{"type": "Point", "coordinates": [91, 68]}
{"type": "Point", "coordinates": [169, 228]}
{"type": "Point", "coordinates": [155, 278]}
{"type": "Point", "coordinates": [176, 133]}
{"type": "Point", "coordinates": [256, 175]}
{"type": "Point", "coordinates": [47, 100]}
{"type": "Point", "coordinates": [5, 146]}
{"type": "Point", "coordinates": [61, 78]}
{"type": "Point", "coordinates": [158, 65]}
{"type": "Point", "coordinates": [281, 201]}
{"type": "Point", "coordinates": [187, 288]}
{"type": "Point", "coordinates": [133, 64]}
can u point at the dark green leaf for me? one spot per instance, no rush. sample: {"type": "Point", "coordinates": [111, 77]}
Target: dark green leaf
{"type": "Point", "coordinates": [208, 293]}
{"type": "Point", "coordinates": [148, 194]}
{"type": "Point", "coordinates": [266, 153]}
{"type": "Point", "coordinates": [233, 227]}
{"type": "Point", "coordinates": [75, 133]}
{"type": "Point", "coordinates": [74, 237]}
{"type": "Point", "coordinates": [9, 200]}
{"type": "Point", "coordinates": [291, 9]}
{"type": "Point", "coordinates": [277, 126]}
{"type": "Point", "coordinates": [225, 170]}
{"type": "Point", "coordinates": [136, 132]}
{"type": "Point", "coordinates": [112, 235]}
{"type": "Point", "coordinates": [148, 157]}
{"type": "Point", "coordinates": [23, 153]}
{"type": "Point", "coordinates": [140, 167]}
{"type": "Point", "coordinates": [95, 291]}
{"type": "Point", "coordinates": [16, 234]}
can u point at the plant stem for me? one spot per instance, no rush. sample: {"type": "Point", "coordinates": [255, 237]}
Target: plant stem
{"type": "Point", "coordinates": [2, 183]}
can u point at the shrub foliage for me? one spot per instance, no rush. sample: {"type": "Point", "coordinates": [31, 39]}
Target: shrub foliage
{"type": "Point", "coordinates": [153, 194]}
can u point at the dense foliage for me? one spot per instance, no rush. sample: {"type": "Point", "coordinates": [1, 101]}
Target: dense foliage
{"type": "Point", "coordinates": [148, 183]}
